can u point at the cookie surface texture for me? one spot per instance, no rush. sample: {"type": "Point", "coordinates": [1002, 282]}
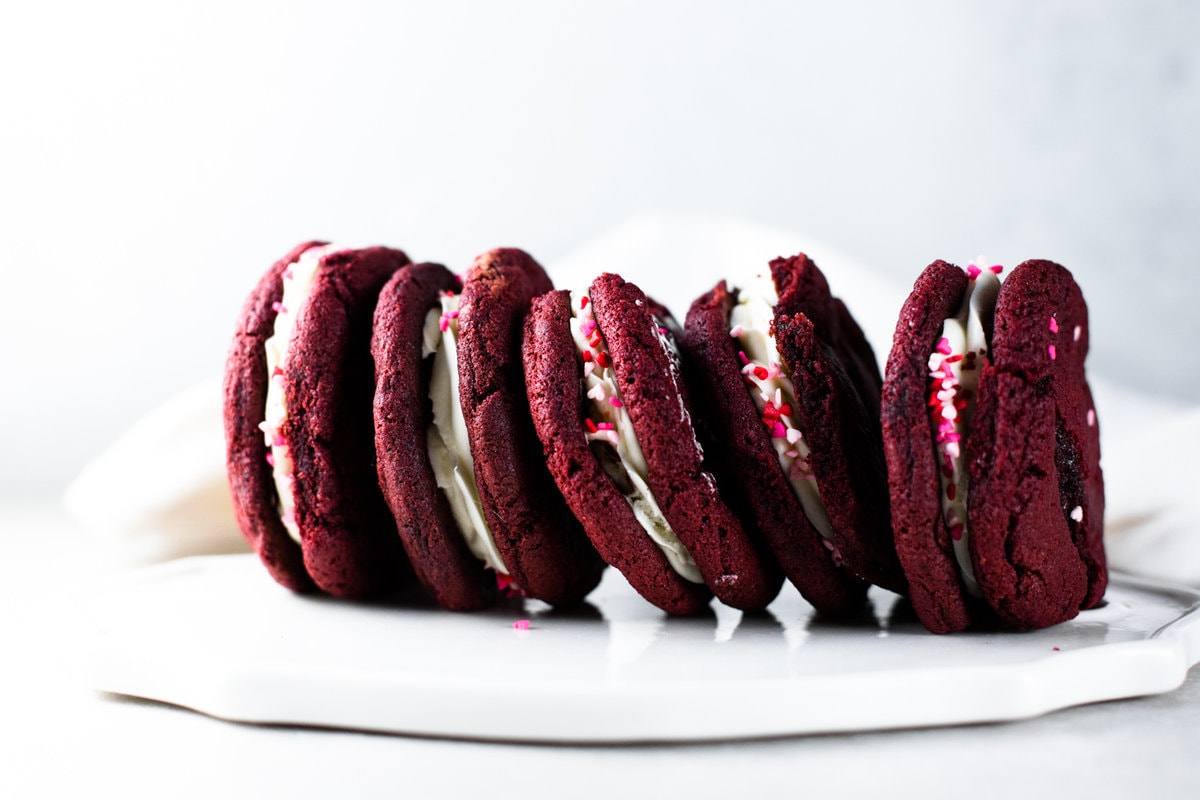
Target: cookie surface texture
{"type": "Point", "coordinates": [1036, 505]}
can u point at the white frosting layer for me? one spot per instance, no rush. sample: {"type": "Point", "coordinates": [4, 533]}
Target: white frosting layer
{"type": "Point", "coordinates": [449, 447]}
{"type": "Point", "coordinates": [775, 395]}
{"type": "Point", "coordinates": [297, 284]}
{"type": "Point", "coordinates": [954, 370]}
{"type": "Point", "coordinates": [614, 428]}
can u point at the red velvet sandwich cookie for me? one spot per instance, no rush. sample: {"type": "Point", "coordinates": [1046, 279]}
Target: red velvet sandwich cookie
{"type": "Point", "coordinates": [593, 453]}
{"type": "Point", "coordinates": [607, 395]}
{"type": "Point", "coordinates": [416, 415]}
{"type": "Point", "coordinates": [993, 449]}
{"type": "Point", "coordinates": [299, 439]}
{"type": "Point", "coordinates": [537, 543]}
{"type": "Point", "coordinates": [792, 389]}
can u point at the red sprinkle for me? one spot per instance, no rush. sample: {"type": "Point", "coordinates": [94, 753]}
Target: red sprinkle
{"type": "Point", "coordinates": [603, 360]}
{"type": "Point", "coordinates": [956, 533]}
{"type": "Point", "coordinates": [760, 373]}
{"type": "Point", "coordinates": [583, 301]}
{"type": "Point", "coordinates": [951, 491]}
{"type": "Point", "coordinates": [587, 355]}
{"type": "Point", "coordinates": [591, 426]}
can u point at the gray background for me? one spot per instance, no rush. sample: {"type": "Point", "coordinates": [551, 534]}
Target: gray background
{"type": "Point", "coordinates": [155, 159]}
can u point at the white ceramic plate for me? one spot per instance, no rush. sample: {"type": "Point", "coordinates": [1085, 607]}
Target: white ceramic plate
{"type": "Point", "coordinates": [215, 634]}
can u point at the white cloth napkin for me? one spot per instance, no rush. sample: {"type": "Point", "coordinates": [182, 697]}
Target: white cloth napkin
{"type": "Point", "coordinates": [160, 490]}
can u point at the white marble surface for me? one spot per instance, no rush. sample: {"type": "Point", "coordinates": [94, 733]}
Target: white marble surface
{"type": "Point", "coordinates": [59, 738]}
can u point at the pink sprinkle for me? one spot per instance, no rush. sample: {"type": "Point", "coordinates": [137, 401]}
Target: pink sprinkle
{"type": "Point", "coordinates": [270, 459]}
{"type": "Point", "coordinates": [736, 331]}
{"type": "Point", "coordinates": [973, 271]}
{"type": "Point", "coordinates": [586, 327]}
{"type": "Point", "coordinates": [662, 330]}
{"type": "Point", "coordinates": [1091, 417]}
{"type": "Point", "coordinates": [943, 346]}
{"type": "Point", "coordinates": [612, 437]}
{"type": "Point", "coordinates": [996, 269]}
{"type": "Point", "coordinates": [742, 357]}
{"type": "Point", "coordinates": [606, 426]}
{"type": "Point", "coordinates": [615, 402]}
{"type": "Point", "coordinates": [792, 453]}
{"type": "Point", "coordinates": [1053, 352]}
{"type": "Point", "coordinates": [1077, 513]}
{"type": "Point", "coordinates": [278, 307]}
{"type": "Point", "coordinates": [278, 441]}
{"type": "Point", "coordinates": [779, 431]}
{"type": "Point", "coordinates": [521, 625]}
{"type": "Point", "coordinates": [1078, 332]}
{"type": "Point", "coordinates": [1053, 325]}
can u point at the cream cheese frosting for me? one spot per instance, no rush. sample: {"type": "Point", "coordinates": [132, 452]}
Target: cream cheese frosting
{"type": "Point", "coordinates": [297, 280]}
{"type": "Point", "coordinates": [775, 396]}
{"type": "Point", "coordinates": [608, 422]}
{"type": "Point", "coordinates": [447, 441]}
{"type": "Point", "coordinates": [954, 370]}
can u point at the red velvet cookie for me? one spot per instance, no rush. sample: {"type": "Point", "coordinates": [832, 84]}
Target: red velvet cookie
{"type": "Point", "coordinates": [993, 450]}
{"type": "Point", "coordinates": [743, 439]}
{"type": "Point", "coordinates": [542, 546]}
{"type": "Point", "coordinates": [790, 380]}
{"type": "Point", "coordinates": [631, 341]}
{"type": "Point", "coordinates": [406, 351]}
{"type": "Point", "coordinates": [593, 453]}
{"type": "Point", "coordinates": [300, 444]}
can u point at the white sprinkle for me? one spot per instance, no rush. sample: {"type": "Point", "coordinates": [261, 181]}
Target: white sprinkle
{"type": "Point", "coordinates": [736, 331]}
{"type": "Point", "coordinates": [1077, 513]}
{"type": "Point", "coordinates": [1078, 332]}
{"type": "Point", "coordinates": [1091, 417]}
